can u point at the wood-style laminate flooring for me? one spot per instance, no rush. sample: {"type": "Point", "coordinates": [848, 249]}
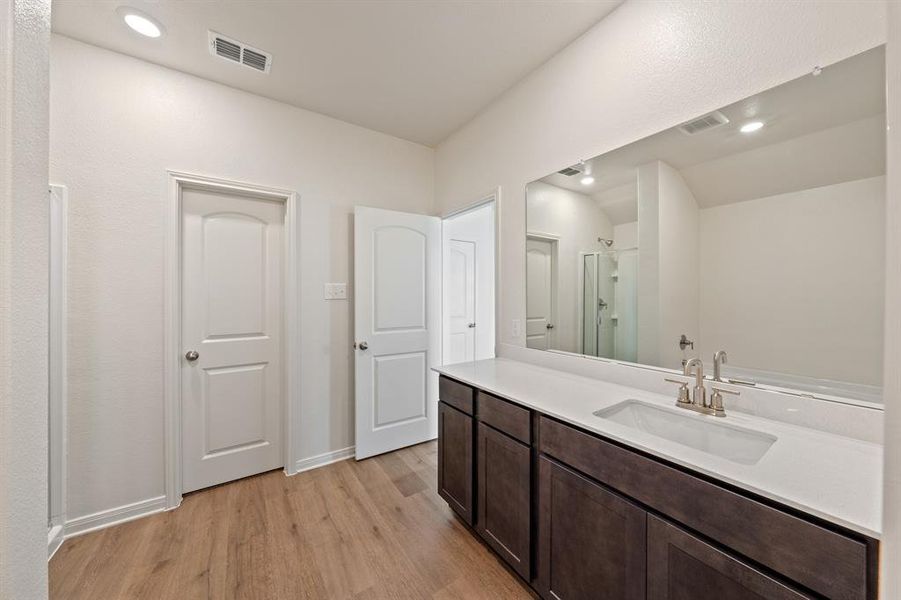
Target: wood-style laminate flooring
{"type": "Point", "coordinates": [370, 529]}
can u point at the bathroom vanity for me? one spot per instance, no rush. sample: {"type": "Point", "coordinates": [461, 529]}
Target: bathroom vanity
{"type": "Point", "coordinates": [568, 481]}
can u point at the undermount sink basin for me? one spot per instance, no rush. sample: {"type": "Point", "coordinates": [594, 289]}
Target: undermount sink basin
{"type": "Point", "coordinates": [696, 431]}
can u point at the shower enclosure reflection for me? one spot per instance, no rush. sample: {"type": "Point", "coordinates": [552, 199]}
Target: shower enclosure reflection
{"type": "Point", "coordinates": [609, 303]}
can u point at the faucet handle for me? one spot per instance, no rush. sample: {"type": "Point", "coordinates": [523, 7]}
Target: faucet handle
{"type": "Point", "coordinates": [725, 391]}
{"type": "Point", "coordinates": [716, 400]}
{"type": "Point", "coordinates": [683, 390]}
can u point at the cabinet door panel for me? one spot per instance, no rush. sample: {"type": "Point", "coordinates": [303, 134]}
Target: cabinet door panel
{"type": "Point", "coordinates": [504, 491]}
{"type": "Point", "coordinates": [591, 541]}
{"type": "Point", "coordinates": [830, 563]}
{"type": "Point", "coordinates": [455, 472]}
{"type": "Point", "coordinates": [683, 567]}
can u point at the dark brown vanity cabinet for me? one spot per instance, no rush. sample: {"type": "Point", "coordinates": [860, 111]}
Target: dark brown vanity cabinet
{"type": "Point", "coordinates": [579, 516]}
{"type": "Point", "coordinates": [591, 541]}
{"type": "Point", "coordinates": [455, 454]}
{"type": "Point", "coordinates": [683, 567]}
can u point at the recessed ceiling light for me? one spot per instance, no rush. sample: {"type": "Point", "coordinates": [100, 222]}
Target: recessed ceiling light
{"type": "Point", "coordinates": [587, 180]}
{"type": "Point", "coordinates": [140, 22]}
{"type": "Point", "coordinates": [751, 126]}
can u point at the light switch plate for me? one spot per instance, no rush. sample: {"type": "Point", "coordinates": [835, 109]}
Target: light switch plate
{"type": "Point", "coordinates": [336, 291]}
{"type": "Point", "coordinates": [517, 329]}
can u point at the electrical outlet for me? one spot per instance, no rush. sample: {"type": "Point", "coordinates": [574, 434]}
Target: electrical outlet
{"type": "Point", "coordinates": [517, 329]}
{"type": "Point", "coordinates": [336, 291]}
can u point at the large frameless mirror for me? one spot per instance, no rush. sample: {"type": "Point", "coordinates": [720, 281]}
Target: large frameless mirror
{"type": "Point", "coordinates": [757, 229]}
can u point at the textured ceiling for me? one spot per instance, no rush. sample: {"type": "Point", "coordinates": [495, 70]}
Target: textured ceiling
{"type": "Point", "coordinates": [416, 70]}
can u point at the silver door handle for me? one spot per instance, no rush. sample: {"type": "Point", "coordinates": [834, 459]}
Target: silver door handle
{"type": "Point", "coordinates": [471, 325]}
{"type": "Point", "coordinates": [362, 345]}
{"type": "Point", "coordinates": [192, 355]}
{"type": "Point", "coordinates": [548, 326]}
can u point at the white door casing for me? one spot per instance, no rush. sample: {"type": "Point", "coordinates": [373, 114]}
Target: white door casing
{"type": "Point", "coordinates": [460, 295]}
{"type": "Point", "coordinates": [540, 266]}
{"type": "Point", "coordinates": [232, 316]}
{"type": "Point", "coordinates": [397, 268]}
{"type": "Point", "coordinates": [56, 483]}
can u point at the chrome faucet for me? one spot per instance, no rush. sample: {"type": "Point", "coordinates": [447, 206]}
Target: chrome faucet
{"type": "Point", "coordinates": [719, 359]}
{"type": "Point", "coordinates": [698, 392]}
{"type": "Point", "coordinates": [698, 402]}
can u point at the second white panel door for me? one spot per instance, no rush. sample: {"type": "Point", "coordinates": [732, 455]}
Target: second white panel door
{"type": "Point", "coordinates": [397, 268]}
{"type": "Point", "coordinates": [232, 378]}
{"type": "Point", "coordinates": [540, 294]}
{"type": "Point", "coordinates": [461, 299]}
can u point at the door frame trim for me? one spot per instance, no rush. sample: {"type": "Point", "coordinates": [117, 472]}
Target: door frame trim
{"type": "Point", "coordinates": [58, 380]}
{"type": "Point", "coordinates": [172, 346]}
{"type": "Point", "coordinates": [492, 197]}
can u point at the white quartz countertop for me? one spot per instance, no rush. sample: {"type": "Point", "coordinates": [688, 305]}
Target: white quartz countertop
{"type": "Point", "coordinates": [836, 478]}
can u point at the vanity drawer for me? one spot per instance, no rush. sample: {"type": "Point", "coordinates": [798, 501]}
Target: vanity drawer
{"type": "Point", "coordinates": [456, 394]}
{"type": "Point", "coordinates": [513, 420]}
{"type": "Point", "coordinates": [826, 562]}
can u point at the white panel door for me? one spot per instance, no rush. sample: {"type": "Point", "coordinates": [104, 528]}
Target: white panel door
{"type": "Point", "coordinates": [539, 293]}
{"type": "Point", "coordinates": [397, 262]}
{"type": "Point", "coordinates": [232, 257]}
{"type": "Point", "coordinates": [460, 295]}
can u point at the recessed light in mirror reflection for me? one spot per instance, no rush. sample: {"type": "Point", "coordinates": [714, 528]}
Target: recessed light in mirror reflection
{"type": "Point", "coordinates": [140, 22]}
{"type": "Point", "coordinates": [751, 126]}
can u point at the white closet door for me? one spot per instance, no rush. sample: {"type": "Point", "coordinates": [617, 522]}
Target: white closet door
{"type": "Point", "coordinates": [539, 293]}
{"type": "Point", "coordinates": [232, 260]}
{"type": "Point", "coordinates": [460, 296]}
{"type": "Point", "coordinates": [397, 262]}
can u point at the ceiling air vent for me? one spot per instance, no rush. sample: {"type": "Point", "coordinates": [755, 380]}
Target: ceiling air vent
{"type": "Point", "coordinates": [238, 52]}
{"type": "Point", "coordinates": [709, 121]}
{"type": "Point", "coordinates": [570, 171]}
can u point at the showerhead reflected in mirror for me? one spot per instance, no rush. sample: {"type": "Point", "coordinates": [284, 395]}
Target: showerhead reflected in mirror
{"type": "Point", "coordinates": [757, 228]}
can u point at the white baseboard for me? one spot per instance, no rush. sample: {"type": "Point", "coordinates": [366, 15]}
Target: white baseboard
{"type": "Point", "coordinates": [143, 508]}
{"type": "Point", "coordinates": [114, 516]}
{"type": "Point", "coordinates": [320, 460]}
{"type": "Point", "coordinates": [54, 540]}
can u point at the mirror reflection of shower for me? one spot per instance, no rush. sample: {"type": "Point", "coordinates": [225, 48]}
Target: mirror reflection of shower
{"type": "Point", "coordinates": [609, 302]}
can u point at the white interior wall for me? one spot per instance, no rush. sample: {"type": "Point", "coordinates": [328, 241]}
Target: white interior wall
{"type": "Point", "coordinates": [620, 202]}
{"type": "Point", "coordinates": [648, 293]}
{"type": "Point", "coordinates": [625, 235]}
{"type": "Point", "coordinates": [806, 272]}
{"type": "Point", "coordinates": [117, 125]}
{"type": "Point", "coordinates": [668, 263]}
{"type": "Point", "coordinates": [578, 221]}
{"type": "Point", "coordinates": [678, 275]}
{"type": "Point", "coordinates": [475, 226]}
{"type": "Point", "coordinates": [24, 252]}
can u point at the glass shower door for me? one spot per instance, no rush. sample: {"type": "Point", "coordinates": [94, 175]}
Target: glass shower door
{"type": "Point", "coordinates": [589, 304]}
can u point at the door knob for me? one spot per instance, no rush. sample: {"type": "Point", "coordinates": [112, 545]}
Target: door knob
{"type": "Point", "coordinates": [192, 355]}
{"type": "Point", "coordinates": [471, 325]}
{"type": "Point", "coordinates": [362, 345]}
